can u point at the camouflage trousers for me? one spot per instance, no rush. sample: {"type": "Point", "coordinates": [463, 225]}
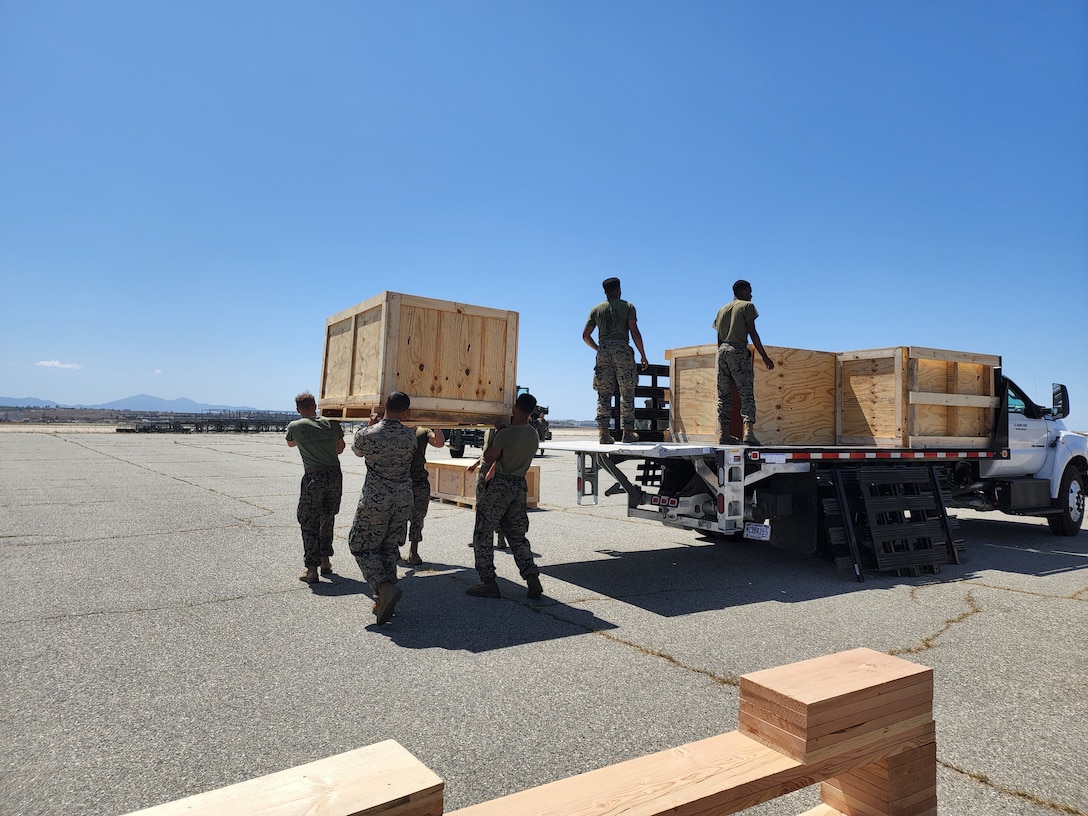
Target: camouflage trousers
{"type": "Point", "coordinates": [481, 483]}
{"type": "Point", "coordinates": [379, 530]}
{"type": "Point", "coordinates": [501, 506]}
{"type": "Point", "coordinates": [735, 369]}
{"type": "Point", "coordinates": [615, 373]}
{"type": "Point", "coordinates": [421, 501]}
{"type": "Point", "coordinates": [318, 503]}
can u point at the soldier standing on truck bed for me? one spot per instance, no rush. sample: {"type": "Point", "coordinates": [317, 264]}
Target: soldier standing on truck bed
{"type": "Point", "coordinates": [735, 322]}
{"type": "Point", "coordinates": [615, 321]}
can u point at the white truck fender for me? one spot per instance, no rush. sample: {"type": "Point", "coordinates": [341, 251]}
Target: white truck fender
{"type": "Point", "coordinates": [1069, 446]}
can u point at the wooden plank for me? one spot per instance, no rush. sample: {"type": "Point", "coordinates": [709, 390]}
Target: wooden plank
{"type": "Point", "coordinates": [719, 775]}
{"type": "Point", "coordinates": [957, 400]}
{"type": "Point", "coordinates": [831, 680]}
{"type": "Point", "coordinates": [967, 442]}
{"type": "Point", "coordinates": [922, 352]}
{"type": "Point", "coordinates": [841, 717]}
{"type": "Point", "coordinates": [378, 780]}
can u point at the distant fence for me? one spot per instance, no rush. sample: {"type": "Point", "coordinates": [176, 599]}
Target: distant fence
{"type": "Point", "coordinates": [217, 422]}
{"type": "Point", "coordinates": [859, 724]}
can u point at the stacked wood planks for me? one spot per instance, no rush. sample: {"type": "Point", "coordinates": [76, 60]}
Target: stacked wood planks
{"type": "Point", "coordinates": [859, 723]}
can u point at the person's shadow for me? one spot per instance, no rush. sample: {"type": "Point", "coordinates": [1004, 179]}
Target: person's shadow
{"type": "Point", "coordinates": [336, 585]}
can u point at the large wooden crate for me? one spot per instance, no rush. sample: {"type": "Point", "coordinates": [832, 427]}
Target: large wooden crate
{"type": "Point", "coordinates": [451, 481]}
{"type": "Point", "coordinates": [458, 363]}
{"type": "Point", "coordinates": [795, 403]}
{"type": "Point", "coordinates": [909, 396]}
{"type": "Point", "coordinates": [898, 397]}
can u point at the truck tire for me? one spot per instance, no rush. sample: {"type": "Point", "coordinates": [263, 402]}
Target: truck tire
{"type": "Point", "coordinates": [456, 453]}
{"type": "Point", "coordinates": [1071, 498]}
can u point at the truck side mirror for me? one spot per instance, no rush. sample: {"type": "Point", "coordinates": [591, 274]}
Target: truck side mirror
{"type": "Point", "coordinates": [1061, 401]}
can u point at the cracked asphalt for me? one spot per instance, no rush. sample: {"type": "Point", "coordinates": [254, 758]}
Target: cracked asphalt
{"type": "Point", "coordinates": [157, 643]}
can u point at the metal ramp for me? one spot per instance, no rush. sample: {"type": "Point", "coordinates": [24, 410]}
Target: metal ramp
{"type": "Point", "coordinates": [891, 518]}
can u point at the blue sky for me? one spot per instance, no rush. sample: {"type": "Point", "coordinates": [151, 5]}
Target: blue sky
{"type": "Point", "coordinates": [188, 190]}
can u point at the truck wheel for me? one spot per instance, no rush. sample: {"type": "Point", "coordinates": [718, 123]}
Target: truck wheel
{"type": "Point", "coordinates": [1071, 498]}
{"type": "Point", "coordinates": [457, 453]}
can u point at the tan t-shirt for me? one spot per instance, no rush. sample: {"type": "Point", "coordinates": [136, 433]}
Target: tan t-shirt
{"type": "Point", "coordinates": [733, 321]}
{"type": "Point", "coordinates": [518, 444]}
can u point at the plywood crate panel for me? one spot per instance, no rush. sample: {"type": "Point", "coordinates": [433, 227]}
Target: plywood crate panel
{"type": "Point", "coordinates": [911, 396]}
{"type": "Point", "coordinates": [457, 362]}
{"type": "Point", "coordinates": [795, 402]}
{"type": "Point", "coordinates": [452, 481]}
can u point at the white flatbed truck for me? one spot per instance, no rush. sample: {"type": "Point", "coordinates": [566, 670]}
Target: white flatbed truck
{"type": "Point", "coordinates": [859, 505]}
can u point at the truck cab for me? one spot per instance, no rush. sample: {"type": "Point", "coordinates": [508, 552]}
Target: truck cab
{"type": "Point", "coordinates": [1041, 468]}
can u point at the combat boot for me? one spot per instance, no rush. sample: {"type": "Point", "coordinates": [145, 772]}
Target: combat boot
{"type": "Point", "coordinates": [326, 565]}
{"type": "Point", "coordinates": [750, 435]}
{"type": "Point", "coordinates": [485, 589]}
{"type": "Point", "coordinates": [606, 437]}
{"type": "Point", "coordinates": [629, 436]}
{"type": "Point", "coordinates": [309, 576]}
{"type": "Point", "coordinates": [388, 595]}
{"type": "Point", "coordinates": [535, 589]}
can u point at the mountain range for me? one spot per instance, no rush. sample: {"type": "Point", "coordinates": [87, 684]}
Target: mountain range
{"type": "Point", "coordinates": [140, 402]}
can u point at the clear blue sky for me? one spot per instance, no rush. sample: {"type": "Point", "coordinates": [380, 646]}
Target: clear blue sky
{"type": "Point", "coordinates": [187, 190]}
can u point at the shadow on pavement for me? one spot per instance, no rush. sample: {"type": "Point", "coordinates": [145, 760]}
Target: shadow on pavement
{"type": "Point", "coordinates": [435, 613]}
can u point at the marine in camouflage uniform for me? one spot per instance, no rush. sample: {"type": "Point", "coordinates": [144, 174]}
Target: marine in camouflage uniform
{"type": "Point", "coordinates": [385, 505]}
{"type": "Point", "coordinates": [501, 503]}
{"type": "Point", "coordinates": [734, 323]}
{"type": "Point", "coordinates": [320, 441]}
{"type": "Point", "coordinates": [616, 321]}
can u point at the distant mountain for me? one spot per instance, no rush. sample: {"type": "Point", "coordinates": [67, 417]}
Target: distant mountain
{"type": "Point", "coordinates": [26, 402]}
{"type": "Point", "coordinates": [140, 402]}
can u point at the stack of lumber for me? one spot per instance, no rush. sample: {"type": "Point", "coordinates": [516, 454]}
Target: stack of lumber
{"type": "Point", "coordinates": [825, 706]}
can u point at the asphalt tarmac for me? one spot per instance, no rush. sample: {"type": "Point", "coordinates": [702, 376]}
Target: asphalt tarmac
{"type": "Point", "coordinates": [156, 641]}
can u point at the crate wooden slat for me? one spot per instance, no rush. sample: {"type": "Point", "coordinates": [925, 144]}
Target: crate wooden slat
{"type": "Point", "coordinates": [456, 361]}
{"type": "Point", "coordinates": [379, 780]}
{"type": "Point", "coordinates": [452, 481]}
{"type": "Point", "coordinates": [795, 402]}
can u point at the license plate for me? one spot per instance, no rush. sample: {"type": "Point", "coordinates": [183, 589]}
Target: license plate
{"type": "Point", "coordinates": [757, 532]}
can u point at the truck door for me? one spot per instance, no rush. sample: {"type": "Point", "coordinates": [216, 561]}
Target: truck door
{"type": "Point", "coordinates": [1029, 439]}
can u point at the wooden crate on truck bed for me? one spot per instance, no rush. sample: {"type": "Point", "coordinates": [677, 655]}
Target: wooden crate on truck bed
{"type": "Point", "coordinates": [915, 397]}
{"type": "Point", "coordinates": [457, 362]}
{"type": "Point", "coordinates": [897, 397]}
